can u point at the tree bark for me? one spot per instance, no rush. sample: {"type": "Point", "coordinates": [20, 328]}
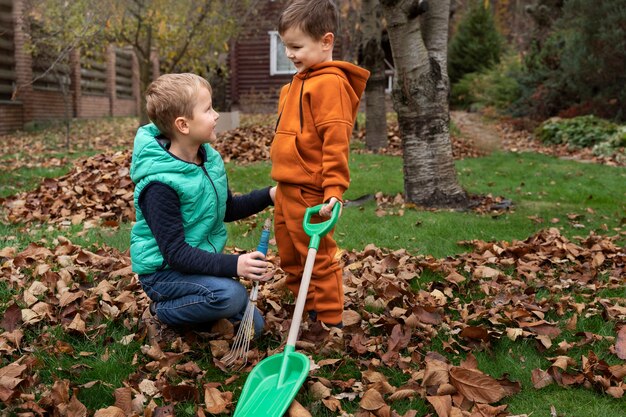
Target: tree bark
{"type": "Point", "coordinates": [143, 50]}
{"type": "Point", "coordinates": [418, 33]}
{"type": "Point", "coordinates": [373, 59]}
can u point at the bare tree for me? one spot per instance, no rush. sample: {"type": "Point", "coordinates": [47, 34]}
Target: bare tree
{"type": "Point", "coordinates": [418, 33]}
{"type": "Point", "coordinates": [188, 35]}
{"type": "Point", "coordinates": [372, 57]}
{"type": "Point", "coordinates": [57, 29]}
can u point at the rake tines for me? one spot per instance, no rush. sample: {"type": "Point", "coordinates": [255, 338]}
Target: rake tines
{"type": "Point", "coordinates": [241, 345]}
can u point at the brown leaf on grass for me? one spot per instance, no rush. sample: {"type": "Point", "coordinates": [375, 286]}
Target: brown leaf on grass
{"type": "Point", "coordinates": [358, 342]}
{"type": "Point", "coordinates": [372, 400]}
{"type": "Point", "coordinates": [319, 391]}
{"type": "Point", "coordinates": [219, 348]}
{"type": "Point", "coordinates": [618, 371]}
{"type": "Point", "coordinates": [74, 408]}
{"type": "Point", "coordinates": [214, 400]}
{"type": "Point", "coordinates": [297, 410]}
{"type": "Point", "coordinates": [486, 410]}
{"type": "Point", "coordinates": [470, 362]}
{"type": "Point", "coordinates": [332, 403]}
{"type": "Point", "coordinates": [442, 404]}
{"type": "Point", "coordinates": [436, 373]}
{"type": "Point", "coordinates": [615, 392]}
{"type": "Point", "coordinates": [179, 393]}
{"type": "Point", "coordinates": [77, 325]}
{"type": "Point", "coordinates": [475, 385]}
{"type": "Point", "coordinates": [398, 340]}
{"type": "Point", "coordinates": [11, 376]}
{"type": "Point", "coordinates": [475, 332]}
{"type": "Point", "coordinates": [378, 381]}
{"type": "Point", "coordinates": [428, 315]}
{"type": "Point", "coordinates": [541, 378]}
{"type": "Point", "coordinates": [12, 318]}
{"type": "Point", "coordinates": [402, 394]}
{"type": "Point", "coordinates": [124, 399]}
{"type": "Point", "coordinates": [111, 411]}
{"type": "Point", "coordinates": [620, 343]}
{"type": "Point", "coordinates": [163, 411]}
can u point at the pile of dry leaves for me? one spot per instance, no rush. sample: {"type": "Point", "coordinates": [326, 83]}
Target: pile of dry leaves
{"type": "Point", "coordinates": [461, 147]}
{"type": "Point", "coordinates": [98, 189]}
{"type": "Point", "coordinates": [390, 320]}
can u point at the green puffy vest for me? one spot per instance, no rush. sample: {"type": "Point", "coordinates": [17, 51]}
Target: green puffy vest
{"type": "Point", "coordinates": [202, 191]}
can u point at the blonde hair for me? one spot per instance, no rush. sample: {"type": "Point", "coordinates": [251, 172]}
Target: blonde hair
{"type": "Point", "coordinates": [313, 17]}
{"type": "Point", "coordinates": [171, 96]}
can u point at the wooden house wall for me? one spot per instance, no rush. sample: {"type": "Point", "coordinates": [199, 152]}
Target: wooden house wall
{"type": "Point", "coordinates": [252, 89]}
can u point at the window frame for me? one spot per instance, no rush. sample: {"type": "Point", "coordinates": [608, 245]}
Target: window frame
{"type": "Point", "coordinates": [274, 51]}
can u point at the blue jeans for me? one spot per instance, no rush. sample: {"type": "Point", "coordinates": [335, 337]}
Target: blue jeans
{"type": "Point", "coordinates": [196, 301]}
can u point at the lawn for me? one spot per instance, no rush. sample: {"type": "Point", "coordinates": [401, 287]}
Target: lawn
{"type": "Point", "coordinates": [575, 199]}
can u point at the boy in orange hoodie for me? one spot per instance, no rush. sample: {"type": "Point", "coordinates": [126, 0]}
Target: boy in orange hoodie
{"type": "Point", "coordinates": [309, 154]}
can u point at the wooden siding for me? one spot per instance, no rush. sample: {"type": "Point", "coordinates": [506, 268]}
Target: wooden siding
{"type": "Point", "coordinates": [102, 85]}
{"type": "Point", "coordinates": [252, 88]}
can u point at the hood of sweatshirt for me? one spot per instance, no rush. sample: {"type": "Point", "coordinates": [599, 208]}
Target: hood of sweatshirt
{"type": "Point", "coordinates": [356, 76]}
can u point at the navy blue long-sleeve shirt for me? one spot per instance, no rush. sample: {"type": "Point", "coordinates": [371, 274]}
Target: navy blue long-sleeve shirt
{"type": "Point", "coordinates": [160, 206]}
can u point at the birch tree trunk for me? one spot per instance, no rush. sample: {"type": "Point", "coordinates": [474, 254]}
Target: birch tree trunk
{"type": "Point", "coordinates": [373, 59]}
{"type": "Point", "coordinates": [418, 33]}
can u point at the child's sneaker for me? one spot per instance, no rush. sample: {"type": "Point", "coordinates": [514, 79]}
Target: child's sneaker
{"type": "Point", "coordinates": [156, 331]}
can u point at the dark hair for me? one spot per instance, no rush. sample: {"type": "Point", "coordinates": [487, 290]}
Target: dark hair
{"type": "Point", "coordinates": [313, 17]}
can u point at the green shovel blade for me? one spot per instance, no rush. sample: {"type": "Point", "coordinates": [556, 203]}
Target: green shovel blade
{"type": "Point", "coordinates": [265, 393]}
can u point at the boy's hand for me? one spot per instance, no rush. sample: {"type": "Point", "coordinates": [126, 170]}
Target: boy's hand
{"type": "Point", "coordinates": [253, 266]}
{"type": "Point", "coordinates": [326, 211]}
{"type": "Point", "coordinates": [273, 194]}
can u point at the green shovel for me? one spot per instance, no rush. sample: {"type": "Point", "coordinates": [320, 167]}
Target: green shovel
{"type": "Point", "coordinates": [275, 381]}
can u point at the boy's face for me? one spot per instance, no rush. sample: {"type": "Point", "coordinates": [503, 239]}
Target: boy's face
{"type": "Point", "coordinates": [304, 51]}
{"type": "Point", "coordinates": [202, 126]}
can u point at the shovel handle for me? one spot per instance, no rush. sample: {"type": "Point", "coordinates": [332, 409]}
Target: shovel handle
{"type": "Point", "coordinates": [317, 230]}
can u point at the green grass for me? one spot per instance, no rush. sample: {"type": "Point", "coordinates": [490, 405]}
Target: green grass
{"type": "Point", "coordinates": [105, 362]}
{"type": "Point", "coordinates": [518, 359]}
{"type": "Point", "coordinates": [541, 187]}
{"type": "Point", "coordinates": [29, 178]}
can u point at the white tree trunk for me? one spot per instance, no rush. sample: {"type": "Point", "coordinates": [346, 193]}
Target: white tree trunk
{"type": "Point", "coordinates": [419, 45]}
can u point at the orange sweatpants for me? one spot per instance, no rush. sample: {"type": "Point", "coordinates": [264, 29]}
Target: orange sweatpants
{"type": "Point", "coordinates": [325, 295]}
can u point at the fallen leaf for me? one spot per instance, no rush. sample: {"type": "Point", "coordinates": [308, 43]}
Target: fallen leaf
{"type": "Point", "coordinates": [214, 401]}
{"type": "Point", "coordinates": [372, 400]}
{"type": "Point", "coordinates": [441, 404]}
{"type": "Point", "coordinates": [111, 411]}
{"type": "Point", "coordinates": [297, 410]}
{"type": "Point", "coordinates": [475, 385]}
{"type": "Point", "coordinates": [620, 343]}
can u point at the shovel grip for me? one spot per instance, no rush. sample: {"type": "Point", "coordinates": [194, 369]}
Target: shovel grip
{"type": "Point", "coordinates": [318, 230]}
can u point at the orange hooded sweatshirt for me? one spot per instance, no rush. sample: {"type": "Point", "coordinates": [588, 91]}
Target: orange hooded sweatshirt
{"type": "Point", "coordinates": [316, 116]}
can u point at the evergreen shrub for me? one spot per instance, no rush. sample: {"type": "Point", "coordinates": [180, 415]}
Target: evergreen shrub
{"type": "Point", "coordinates": [477, 44]}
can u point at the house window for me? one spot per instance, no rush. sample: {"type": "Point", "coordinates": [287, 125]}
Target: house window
{"type": "Point", "coordinates": [279, 63]}
{"type": "Point", "coordinates": [389, 73]}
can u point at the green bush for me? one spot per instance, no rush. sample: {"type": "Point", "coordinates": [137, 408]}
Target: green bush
{"type": "Point", "coordinates": [496, 87]}
{"type": "Point", "coordinates": [579, 67]}
{"type": "Point", "coordinates": [579, 132]}
{"type": "Point", "coordinates": [476, 46]}
{"type": "Point", "coordinates": [614, 146]}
